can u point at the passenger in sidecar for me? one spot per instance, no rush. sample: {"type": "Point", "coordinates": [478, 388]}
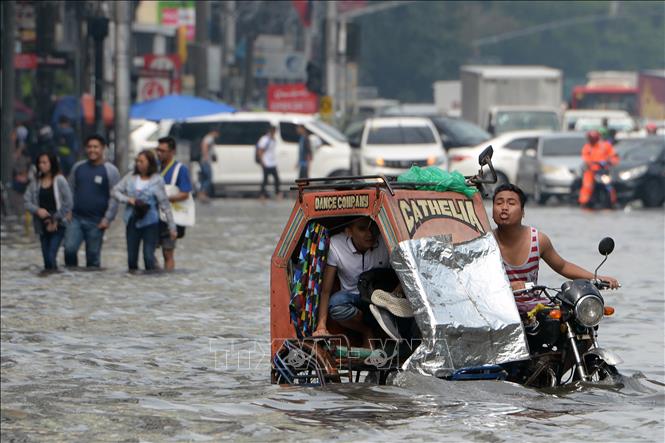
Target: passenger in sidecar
{"type": "Point", "coordinates": [357, 249]}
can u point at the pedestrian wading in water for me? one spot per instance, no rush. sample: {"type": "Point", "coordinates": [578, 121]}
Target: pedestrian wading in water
{"type": "Point", "coordinates": [49, 199]}
{"type": "Point", "coordinates": [144, 193]}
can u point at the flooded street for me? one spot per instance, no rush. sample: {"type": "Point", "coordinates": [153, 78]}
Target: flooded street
{"type": "Point", "coordinates": [109, 356]}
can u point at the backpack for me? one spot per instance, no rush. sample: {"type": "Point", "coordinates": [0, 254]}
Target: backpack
{"type": "Point", "coordinates": [257, 154]}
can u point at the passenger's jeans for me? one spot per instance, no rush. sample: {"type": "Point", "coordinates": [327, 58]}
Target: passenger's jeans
{"type": "Point", "coordinates": [343, 305]}
{"type": "Point", "coordinates": [150, 237]}
{"type": "Point", "coordinates": [78, 231]}
{"type": "Point", "coordinates": [51, 242]}
{"type": "Point", "coordinates": [206, 178]}
{"type": "Point", "coordinates": [266, 172]}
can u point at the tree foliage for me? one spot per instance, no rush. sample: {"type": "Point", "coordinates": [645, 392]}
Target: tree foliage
{"type": "Point", "coordinates": [405, 49]}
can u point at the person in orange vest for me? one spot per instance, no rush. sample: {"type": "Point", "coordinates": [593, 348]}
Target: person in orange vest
{"type": "Point", "coordinates": [597, 154]}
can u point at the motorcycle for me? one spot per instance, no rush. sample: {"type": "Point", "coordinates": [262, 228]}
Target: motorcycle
{"type": "Point", "coordinates": [563, 335]}
{"type": "Point", "coordinates": [604, 195]}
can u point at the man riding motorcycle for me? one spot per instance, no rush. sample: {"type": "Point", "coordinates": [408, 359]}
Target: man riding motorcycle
{"type": "Point", "coordinates": [597, 154]}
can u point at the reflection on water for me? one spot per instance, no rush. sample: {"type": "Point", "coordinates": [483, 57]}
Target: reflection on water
{"type": "Point", "coordinates": [111, 356]}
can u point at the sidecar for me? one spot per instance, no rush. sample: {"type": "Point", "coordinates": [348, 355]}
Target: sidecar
{"type": "Point", "coordinates": [443, 253]}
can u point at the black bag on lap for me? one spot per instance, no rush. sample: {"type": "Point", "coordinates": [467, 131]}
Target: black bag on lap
{"type": "Point", "coordinates": [377, 278]}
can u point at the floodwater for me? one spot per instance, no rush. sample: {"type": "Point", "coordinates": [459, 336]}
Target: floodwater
{"type": "Point", "coordinates": [109, 356]}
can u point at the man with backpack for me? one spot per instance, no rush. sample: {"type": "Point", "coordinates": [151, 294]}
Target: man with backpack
{"type": "Point", "coordinates": [266, 156]}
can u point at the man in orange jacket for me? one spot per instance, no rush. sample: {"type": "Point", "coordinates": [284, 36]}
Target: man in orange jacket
{"type": "Point", "coordinates": [596, 154]}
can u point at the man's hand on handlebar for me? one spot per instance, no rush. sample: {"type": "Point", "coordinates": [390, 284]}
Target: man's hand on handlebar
{"type": "Point", "coordinates": [610, 282]}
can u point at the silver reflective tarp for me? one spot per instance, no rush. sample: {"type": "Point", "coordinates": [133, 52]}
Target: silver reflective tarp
{"type": "Point", "coordinates": [462, 304]}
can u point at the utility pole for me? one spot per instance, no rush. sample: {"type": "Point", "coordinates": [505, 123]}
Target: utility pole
{"type": "Point", "coordinates": [44, 19]}
{"type": "Point", "coordinates": [8, 30]}
{"type": "Point", "coordinates": [200, 62]}
{"type": "Point", "coordinates": [229, 47]}
{"type": "Point", "coordinates": [98, 28]}
{"type": "Point", "coordinates": [122, 82]}
{"type": "Point", "coordinates": [331, 51]}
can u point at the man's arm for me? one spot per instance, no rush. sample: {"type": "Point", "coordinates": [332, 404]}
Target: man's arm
{"type": "Point", "coordinates": [565, 268]}
{"type": "Point", "coordinates": [112, 208]}
{"type": "Point", "coordinates": [72, 177]}
{"type": "Point", "coordinates": [329, 275]}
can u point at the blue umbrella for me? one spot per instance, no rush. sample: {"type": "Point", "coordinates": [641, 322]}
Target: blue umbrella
{"type": "Point", "coordinates": [177, 107]}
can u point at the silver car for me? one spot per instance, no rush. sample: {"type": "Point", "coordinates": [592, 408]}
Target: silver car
{"type": "Point", "coordinates": [550, 169]}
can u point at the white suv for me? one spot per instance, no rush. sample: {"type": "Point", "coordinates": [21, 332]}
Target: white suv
{"type": "Point", "coordinates": [391, 145]}
{"type": "Point", "coordinates": [233, 165]}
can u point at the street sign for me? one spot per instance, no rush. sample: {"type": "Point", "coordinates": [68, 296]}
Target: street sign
{"type": "Point", "coordinates": [152, 87]}
{"type": "Point", "coordinates": [326, 107]}
{"type": "Point", "coordinates": [292, 97]}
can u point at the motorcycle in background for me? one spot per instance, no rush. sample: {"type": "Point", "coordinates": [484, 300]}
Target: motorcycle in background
{"type": "Point", "coordinates": [604, 195]}
{"type": "Point", "coordinates": [563, 334]}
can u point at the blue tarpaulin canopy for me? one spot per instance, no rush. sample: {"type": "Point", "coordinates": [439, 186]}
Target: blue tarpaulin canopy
{"type": "Point", "coordinates": [177, 107]}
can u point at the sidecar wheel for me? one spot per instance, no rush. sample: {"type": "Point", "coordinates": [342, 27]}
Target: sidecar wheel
{"type": "Point", "coordinates": [304, 363]}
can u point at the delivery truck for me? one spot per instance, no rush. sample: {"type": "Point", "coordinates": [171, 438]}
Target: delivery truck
{"type": "Point", "coordinates": [505, 98]}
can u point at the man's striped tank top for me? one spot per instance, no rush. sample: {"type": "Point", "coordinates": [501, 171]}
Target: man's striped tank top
{"type": "Point", "coordinates": [528, 271]}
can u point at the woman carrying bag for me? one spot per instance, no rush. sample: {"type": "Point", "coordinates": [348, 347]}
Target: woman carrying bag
{"type": "Point", "coordinates": [49, 199]}
{"type": "Point", "coordinates": [144, 192]}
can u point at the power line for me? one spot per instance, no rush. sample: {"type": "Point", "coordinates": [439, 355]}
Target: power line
{"type": "Point", "coordinates": [542, 27]}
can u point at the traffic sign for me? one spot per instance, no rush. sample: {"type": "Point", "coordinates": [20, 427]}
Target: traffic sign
{"type": "Point", "coordinates": [326, 107]}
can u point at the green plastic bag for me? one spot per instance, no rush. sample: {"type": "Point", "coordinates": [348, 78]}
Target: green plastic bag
{"type": "Point", "coordinates": [443, 180]}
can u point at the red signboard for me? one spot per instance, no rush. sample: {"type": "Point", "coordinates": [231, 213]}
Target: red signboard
{"type": "Point", "coordinates": [170, 62]}
{"type": "Point", "coordinates": [25, 61]}
{"type": "Point", "coordinates": [293, 97]}
{"type": "Point", "coordinates": [31, 60]}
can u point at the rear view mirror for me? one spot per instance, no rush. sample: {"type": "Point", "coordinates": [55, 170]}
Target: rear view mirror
{"type": "Point", "coordinates": [606, 246]}
{"type": "Point", "coordinates": [485, 157]}
{"type": "Point", "coordinates": [530, 152]}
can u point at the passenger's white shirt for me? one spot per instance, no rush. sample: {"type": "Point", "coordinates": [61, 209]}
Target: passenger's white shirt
{"type": "Point", "coordinates": [268, 145]}
{"type": "Point", "coordinates": [350, 263]}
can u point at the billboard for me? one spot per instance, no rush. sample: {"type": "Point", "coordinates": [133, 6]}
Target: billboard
{"type": "Point", "coordinates": [178, 13]}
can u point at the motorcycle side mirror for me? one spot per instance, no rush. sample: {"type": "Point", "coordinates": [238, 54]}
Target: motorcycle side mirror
{"type": "Point", "coordinates": [485, 157]}
{"type": "Point", "coordinates": [606, 246]}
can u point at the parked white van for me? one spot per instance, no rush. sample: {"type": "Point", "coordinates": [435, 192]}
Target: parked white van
{"type": "Point", "coordinates": [233, 165]}
{"type": "Point", "coordinates": [391, 145]}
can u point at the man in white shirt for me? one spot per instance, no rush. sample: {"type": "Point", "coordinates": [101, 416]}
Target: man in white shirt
{"type": "Point", "coordinates": [356, 250]}
{"type": "Point", "coordinates": [267, 147]}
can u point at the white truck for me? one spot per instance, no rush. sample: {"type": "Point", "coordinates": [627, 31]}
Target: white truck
{"type": "Point", "coordinates": [509, 98]}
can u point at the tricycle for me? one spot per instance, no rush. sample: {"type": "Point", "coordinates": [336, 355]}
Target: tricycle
{"type": "Point", "coordinates": [465, 323]}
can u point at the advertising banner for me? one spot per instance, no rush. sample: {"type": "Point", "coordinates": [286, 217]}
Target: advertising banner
{"type": "Point", "coordinates": [293, 97]}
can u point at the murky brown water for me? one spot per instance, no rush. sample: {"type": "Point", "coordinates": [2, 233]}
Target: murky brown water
{"type": "Point", "coordinates": [108, 356]}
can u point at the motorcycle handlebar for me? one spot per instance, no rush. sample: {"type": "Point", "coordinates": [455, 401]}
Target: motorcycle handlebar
{"type": "Point", "coordinates": [601, 284]}
{"type": "Point", "coordinates": [530, 287]}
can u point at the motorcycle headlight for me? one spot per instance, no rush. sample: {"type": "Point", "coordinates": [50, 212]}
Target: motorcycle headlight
{"type": "Point", "coordinates": [605, 179]}
{"type": "Point", "coordinates": [632, 173]}
{"type": "Point", "coordinates": [589, 310]}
